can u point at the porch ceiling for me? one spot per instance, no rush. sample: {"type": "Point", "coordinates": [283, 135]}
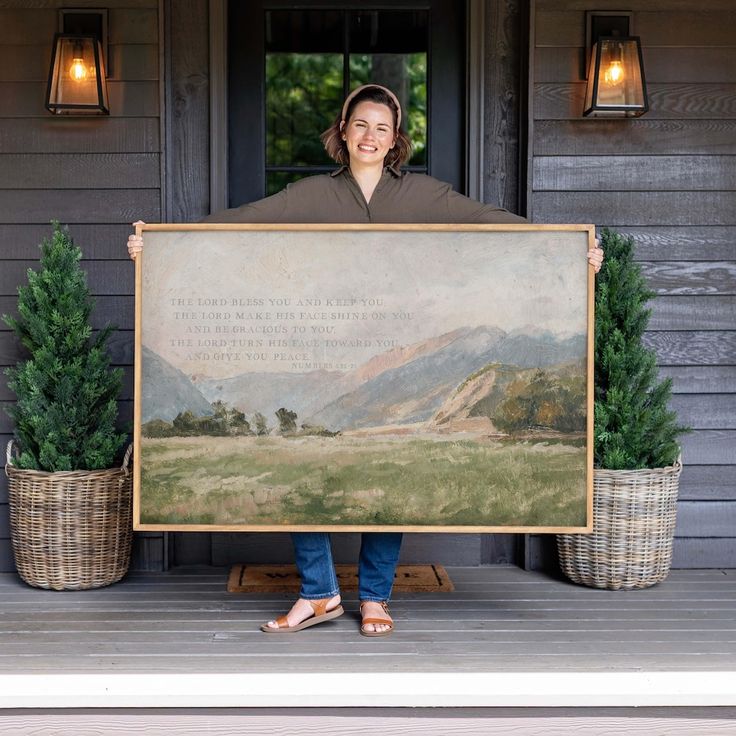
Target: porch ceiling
{"type": "Point", "coordinates": [505, 637]}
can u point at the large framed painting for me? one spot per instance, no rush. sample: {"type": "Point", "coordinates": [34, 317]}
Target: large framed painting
{"type": "Point", "coordinates": [364, 377]}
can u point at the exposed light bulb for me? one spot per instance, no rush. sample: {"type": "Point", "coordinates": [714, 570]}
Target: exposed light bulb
{"type": "Point", "coordinates": [614, 74]}
{"type": "Point", "coordinates": [78, 71]}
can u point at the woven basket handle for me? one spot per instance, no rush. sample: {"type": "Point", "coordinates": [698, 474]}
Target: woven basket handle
{"type": "Point", "coordinates": [10, 452]}
{"type": "Point", "coordinates": [126, 459]}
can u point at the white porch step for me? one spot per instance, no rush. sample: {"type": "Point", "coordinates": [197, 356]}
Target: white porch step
{"type": "Point", "coordinates": [370, 689]}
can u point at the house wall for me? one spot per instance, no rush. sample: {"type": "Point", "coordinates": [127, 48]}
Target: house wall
{"type": "Point", "coordinates": [97, 174]}
{"type": "Point", "coordinates": [671, 186]}
{"type": "Point", "coordinates": [669, 180]}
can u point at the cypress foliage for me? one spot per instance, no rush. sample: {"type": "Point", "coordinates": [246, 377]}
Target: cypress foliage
{"type": "Point", "coordinates": [633, 426]}
{"type": "Point", "coordinates": [66, 409]}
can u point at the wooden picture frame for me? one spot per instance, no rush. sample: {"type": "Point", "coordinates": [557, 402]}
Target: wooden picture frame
{"type": "Point", "coordinates": [428, 378]}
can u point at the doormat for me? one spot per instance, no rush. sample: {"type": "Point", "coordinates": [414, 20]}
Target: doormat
{"type": "Point", "coordinates": [285, 579]}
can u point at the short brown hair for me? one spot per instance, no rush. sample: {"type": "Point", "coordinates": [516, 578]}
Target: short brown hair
{"type": "Point", "coordinates": [335, 146]}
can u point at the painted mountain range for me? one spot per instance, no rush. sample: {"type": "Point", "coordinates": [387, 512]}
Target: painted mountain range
{"type": "Point", "coordinates": [307, 393]}
{"type": "Point", "coordinates": [415, 391]}
{"type": "Point", "coordinates": [403, 385]}
{"type": "Point", "coordinates": [166, 391]}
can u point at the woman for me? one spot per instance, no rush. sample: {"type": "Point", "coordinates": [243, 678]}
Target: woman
{"type": "Point", "coordinates": [369, 187]}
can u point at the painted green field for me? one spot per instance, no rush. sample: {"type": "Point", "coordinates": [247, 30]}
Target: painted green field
{"type": "Point", "coordinates": [352, 481]}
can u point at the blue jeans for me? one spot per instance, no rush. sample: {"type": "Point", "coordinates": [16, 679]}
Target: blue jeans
{"type": "Point", "coordinates": [379, 553]}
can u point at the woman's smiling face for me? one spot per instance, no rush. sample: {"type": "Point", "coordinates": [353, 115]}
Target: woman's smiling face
{"type": "Point", "coordinates": [369, 134]}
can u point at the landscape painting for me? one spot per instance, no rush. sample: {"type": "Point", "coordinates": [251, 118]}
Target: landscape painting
{"type": "Point", "coordinates": [423, 378]}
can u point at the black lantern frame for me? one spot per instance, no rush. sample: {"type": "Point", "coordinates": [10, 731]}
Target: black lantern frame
{"type": "Point", "coordinates": [593, 108]}
{"type": "Point", "coordinates": [61, 102]}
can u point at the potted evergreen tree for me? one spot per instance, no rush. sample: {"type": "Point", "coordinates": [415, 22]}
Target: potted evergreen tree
{"type": "Point", "coordinates": [637, 456]}
{"type": "Point", "coordinates": [70, 511]}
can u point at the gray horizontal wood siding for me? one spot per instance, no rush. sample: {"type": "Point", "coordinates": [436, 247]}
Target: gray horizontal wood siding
{"type": "Point", "coordinates": [668, 179]}
{"type": "Point", "coordinates": [95, 174]}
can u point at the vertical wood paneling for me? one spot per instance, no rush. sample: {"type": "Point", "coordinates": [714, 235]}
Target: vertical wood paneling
{"type": "Point", "coordinates": [499, 549]}
{"type": "Point", "coordinates": [501, 109]}
{"type": "Point", "coordinates": [502, 179]}
{"type": "Point", "coordinates": [7, 564]}
{"type": "Point", "coordinates": [187, 86]}
{"type": "Point", "coordinates": [668, 180]}
{"type": "Point", "coordinates": [103, 172]}
{"type": "Point", "coordinates": [3, 477]}
{"type": "Point", "coordinates": [187, 163]}
{"type": "Point", "coordinates": [258, 547]}
{"type": "Point", "coordinates": [148, 552]}
{"type": "Point", "coordinates": [4, 522]}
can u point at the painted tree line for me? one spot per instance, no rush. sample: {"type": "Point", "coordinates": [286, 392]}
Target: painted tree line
{"type": "Point", "coordinates": [226, 421]}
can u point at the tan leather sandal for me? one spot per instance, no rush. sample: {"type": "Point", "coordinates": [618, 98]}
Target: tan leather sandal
{"type": "Point", "coordinates": [320, 615]}
{"type": "Point", "coordinates": [372, 620]}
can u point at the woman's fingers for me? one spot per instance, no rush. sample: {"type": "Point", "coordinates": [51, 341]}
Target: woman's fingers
{"type": "Point", "coordinates": [595, 258]}
{"type": "Point", "coordinates": [135, 242]}
{"type": "Point", "coordinates": [135, 245]}
{"type": "Point", "coordinates": [595, 255]}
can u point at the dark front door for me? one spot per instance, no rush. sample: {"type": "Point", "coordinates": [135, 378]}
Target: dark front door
{"type": "Point", "coordinates": [292, 66]}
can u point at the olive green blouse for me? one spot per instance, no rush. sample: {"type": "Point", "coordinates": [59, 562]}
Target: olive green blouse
{"type": "Point", "coordinates": [336, 198]}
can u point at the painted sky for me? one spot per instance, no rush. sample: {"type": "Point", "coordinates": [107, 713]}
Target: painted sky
{"type": "Point", "coordinates": [220, 303]}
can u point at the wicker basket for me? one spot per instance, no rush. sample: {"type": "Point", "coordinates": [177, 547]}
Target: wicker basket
{"type": "Point", "coordinates": [634, 515]}
{"type": "Point", "coordinates": [71, 530]}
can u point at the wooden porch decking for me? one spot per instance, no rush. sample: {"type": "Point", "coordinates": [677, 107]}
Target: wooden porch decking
{"type": "Point", "coordinates": [504, 638]}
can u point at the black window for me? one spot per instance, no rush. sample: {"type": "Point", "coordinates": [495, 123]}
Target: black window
{"type": "Point", "coordinates": [291, 68]}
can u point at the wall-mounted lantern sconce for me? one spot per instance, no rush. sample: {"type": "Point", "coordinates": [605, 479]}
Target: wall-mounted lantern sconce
{"type": "Point", "coordinates": [616, 86]}
{"type": "Point", "coordinates": [77, 82]}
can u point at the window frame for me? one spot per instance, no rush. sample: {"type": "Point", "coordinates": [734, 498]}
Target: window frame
{"type": "Point", "coordinates": [446, 90]}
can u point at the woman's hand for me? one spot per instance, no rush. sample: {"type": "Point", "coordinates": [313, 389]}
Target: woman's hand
{"type": "Point", "coordinates": [595, 256]}
{"type": "Point", "coordinates": [135, 242]}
